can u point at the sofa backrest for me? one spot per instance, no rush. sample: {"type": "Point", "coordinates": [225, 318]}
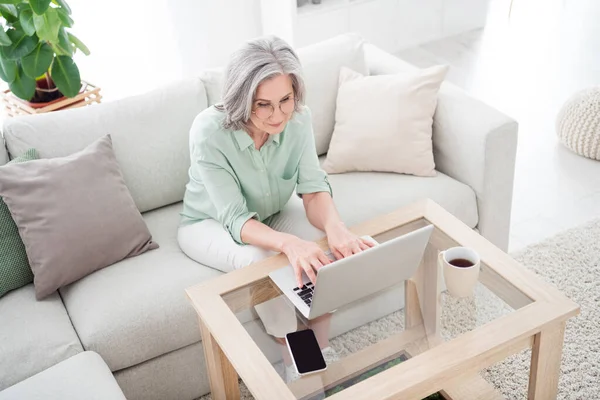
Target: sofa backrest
{"type": "Point", "coordinates": [321, 63]}
{"type": "Point", "coordinates": [150, 135]}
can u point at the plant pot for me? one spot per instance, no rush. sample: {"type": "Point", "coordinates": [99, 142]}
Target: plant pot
{"type": "Point", "coordinates": [38, 105]}
{"type": "Point", "coordinates": [45, 93]}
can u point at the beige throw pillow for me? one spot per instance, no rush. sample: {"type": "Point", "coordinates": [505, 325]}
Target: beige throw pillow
{"type": "Point", "coordinates": [75, 215]}
{"type": "Point", "coordinates": [384, 123]}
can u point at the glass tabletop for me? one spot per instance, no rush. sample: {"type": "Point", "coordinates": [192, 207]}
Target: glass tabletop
{"type": "Point", "coordinates": [377, 332]}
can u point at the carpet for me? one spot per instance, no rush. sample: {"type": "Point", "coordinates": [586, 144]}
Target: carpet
{"type": "Point", "coordinates": [571, 262]}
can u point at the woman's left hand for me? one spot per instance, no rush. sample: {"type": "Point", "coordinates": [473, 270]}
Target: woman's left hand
{"type": "Point", "coordinates": [344, 243]}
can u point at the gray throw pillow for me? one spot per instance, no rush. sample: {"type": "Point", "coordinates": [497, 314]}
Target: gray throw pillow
{"type": "Point", "coordinates": [75, 215]}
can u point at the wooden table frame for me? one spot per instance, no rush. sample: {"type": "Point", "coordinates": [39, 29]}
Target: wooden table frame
{"type": "Point", "coordinates": [538, 322]}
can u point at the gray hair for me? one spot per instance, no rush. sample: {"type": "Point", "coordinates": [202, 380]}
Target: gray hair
{"type": "Point", "coordinates": [256, 61]}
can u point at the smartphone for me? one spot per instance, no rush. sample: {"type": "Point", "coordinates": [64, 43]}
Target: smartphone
{"type": "Point", "coordinates": [305, 351]}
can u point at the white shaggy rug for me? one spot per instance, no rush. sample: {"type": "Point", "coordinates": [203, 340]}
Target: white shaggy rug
{"type": "Point", "coordinates": [570, 261]}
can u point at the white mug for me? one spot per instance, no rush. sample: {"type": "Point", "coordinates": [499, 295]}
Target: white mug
{"type": "Point", "coordinates": [460, 281]}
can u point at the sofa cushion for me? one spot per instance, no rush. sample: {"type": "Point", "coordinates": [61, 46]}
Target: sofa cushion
{"type": "Point", "coordinates": [321, 63]}
{"type": "Point", "coordinates": [213, 79]}
{"type": "Point", "coordinates": [34, 335]}
{"type": "Point", "coordinates": [360, 196]}
{"type": "Point", "coordinates": [385, 192]}
{"type": "Point", "coordinates": [84, 376]}
{"type": "Point", "coordinates": [136, 309]}
{"type": "Point", "coordinates": [150, 134]}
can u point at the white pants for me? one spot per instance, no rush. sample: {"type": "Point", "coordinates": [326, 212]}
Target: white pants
{"type": "Point", "coordinates": [208, 243]}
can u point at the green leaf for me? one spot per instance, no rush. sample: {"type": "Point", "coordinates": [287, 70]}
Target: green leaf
{"type": "Point", "coordinates": [63, 4]}
{"type": "Point", "coordinates": [60, 51]}
{"type": "Point", "coordinates": [9, 12]}
{"type": "Point", "coordinates": [65, 75]}
{"type": "Point", "coordinates": [79, 44]}
{"type": "Point", "coordinates": [21, 44]}
{"type": "Point", "coordinates": [8, 69]}
{"type": "Point", "coordinates": [22, 7]}
{"type": "Point", "coordinates": [47, 25]}
{"type": "Point", "coordinates": [4, 39]}
{"type": "Point", "coordinates": [23, 86]}
{"type": "Point", "coordinates": [38, 61]}
{"type": "Point", "coordinates": [10, 1]}
{"type": "Point", "coordinates": [63, 46]}
{"type": "Point", "coordinates": [39, 6]}
{"type": "Point", "coordinates": [26, 19]}
{"type": "Point", "coordinates": [64, 17]}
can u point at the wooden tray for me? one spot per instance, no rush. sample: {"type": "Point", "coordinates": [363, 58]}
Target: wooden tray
{"type": "Point", "coordinates": [14, 106]}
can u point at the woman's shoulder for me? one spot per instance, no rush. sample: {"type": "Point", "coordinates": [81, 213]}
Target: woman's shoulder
{"type": "Point", "coordinates": [300, 125]}
{"type": "Point", "coordinates": [207, 125]}
{"type": "Point", "coordinates": [302, 119]}
{"type": "Point", "coordinates": [303, 115]}
{"type": "Point", "coordinates": [211, 118]}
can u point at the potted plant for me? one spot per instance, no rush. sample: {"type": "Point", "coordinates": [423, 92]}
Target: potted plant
{"type": "Point", "coordinates": [36, 50]}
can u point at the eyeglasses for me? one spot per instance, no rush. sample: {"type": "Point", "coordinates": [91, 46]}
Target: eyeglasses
{"type": "Point", "coordinates": [266, 110]}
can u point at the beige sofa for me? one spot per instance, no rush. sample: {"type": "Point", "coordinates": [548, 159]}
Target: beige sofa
{"type": "Point", "coordinates": [134, 314]}
{"type": "Point", "coordinates": [83, 376]}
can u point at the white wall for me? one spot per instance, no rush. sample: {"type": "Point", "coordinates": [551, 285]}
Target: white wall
{"type": "Point", "coordinates": [138, 45]}
{"type": "Point", "coordinates": [390, 24]}
{"type": "Point", "coordinates": [278, 17]}
{"type": "Point", "coordinates": [207, 31]}
{"type": "Point", "coordinates": [132, 46]}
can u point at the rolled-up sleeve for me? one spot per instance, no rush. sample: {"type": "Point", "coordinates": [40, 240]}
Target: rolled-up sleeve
{"type": "Point", "coordinates": [311, 177]}
{"type": "Point", "coordinates": [224, 191]}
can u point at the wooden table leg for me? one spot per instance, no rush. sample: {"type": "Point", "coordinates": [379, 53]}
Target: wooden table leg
{"type": "Point", "coordinates": [221, 374]}
{"type": "Point", "coordinates": [545, 363]}
{"type": "Point", "coordinates": [412, 309]}
{"type": "Point", "coordinates": [471, 388]}
{"type": "Point", "coordinates": [426, 282]}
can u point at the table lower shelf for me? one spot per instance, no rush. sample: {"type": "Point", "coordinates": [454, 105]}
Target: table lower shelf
{"type": "Point", "coordinates": [410, 342]}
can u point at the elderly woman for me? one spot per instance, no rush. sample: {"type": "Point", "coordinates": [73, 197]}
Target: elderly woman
{"type": "Point", "coordinates": [248, 154]}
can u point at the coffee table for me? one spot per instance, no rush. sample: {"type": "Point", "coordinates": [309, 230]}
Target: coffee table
{"type": "Point", "coordinates": [443, 342]}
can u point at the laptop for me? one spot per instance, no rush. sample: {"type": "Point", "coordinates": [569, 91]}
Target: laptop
{"type": "Point", "coordinates": [355, 277]}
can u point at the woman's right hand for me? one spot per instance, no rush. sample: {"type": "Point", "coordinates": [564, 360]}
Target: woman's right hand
{"type": "Point", "coordinates": [304, 256]}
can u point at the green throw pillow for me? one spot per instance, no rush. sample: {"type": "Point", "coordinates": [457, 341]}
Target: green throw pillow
{"type": "Point", "coordinates": [14, 266]}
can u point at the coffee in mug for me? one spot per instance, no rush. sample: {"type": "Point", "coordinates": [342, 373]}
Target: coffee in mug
{"type": "Point", "coordinates": [461, 263]}
{"type": "Point", "coordinates": [460, 266]}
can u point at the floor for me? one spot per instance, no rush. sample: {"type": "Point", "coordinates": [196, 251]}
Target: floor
{"type": "Point", "coordinates": [527, 62]}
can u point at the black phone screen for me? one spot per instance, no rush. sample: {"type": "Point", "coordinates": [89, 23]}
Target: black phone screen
{"type": "Point", "coordinates": [306, 351]}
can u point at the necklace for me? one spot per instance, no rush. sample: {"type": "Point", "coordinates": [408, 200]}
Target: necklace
{"type": "Point", "coordinates": [264, 138]}
{"type": "Point", "coordinates": [261, 141]}
{"type": "Point", "coordinates": [254, 133]}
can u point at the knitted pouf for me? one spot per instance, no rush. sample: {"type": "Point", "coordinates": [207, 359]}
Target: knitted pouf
{"type": "Point", "coordinates": [578, 123]}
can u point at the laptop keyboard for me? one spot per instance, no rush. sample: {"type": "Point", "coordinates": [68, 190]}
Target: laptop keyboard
{"type": "Point", "coordinates": [305, 293]}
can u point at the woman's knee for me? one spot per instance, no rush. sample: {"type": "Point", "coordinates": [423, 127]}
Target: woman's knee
{"type": "Point", "coordinates": [250, 254]}
{"type": "Point", "coordinates": [185, 239]}
{"type": "Point", "coordinates": [208, 243]}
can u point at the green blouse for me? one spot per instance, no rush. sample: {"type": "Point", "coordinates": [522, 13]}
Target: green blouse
{"type": "Point", "coordinates": [231, 181]}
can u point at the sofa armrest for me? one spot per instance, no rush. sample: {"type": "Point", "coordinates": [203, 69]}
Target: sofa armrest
{"type": "Point", "coordinates": [472, 143]}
